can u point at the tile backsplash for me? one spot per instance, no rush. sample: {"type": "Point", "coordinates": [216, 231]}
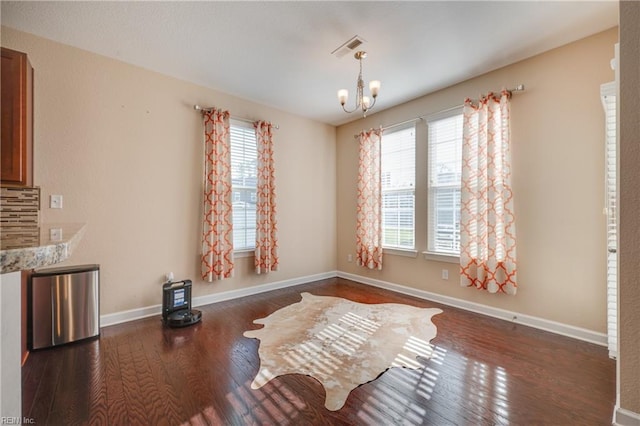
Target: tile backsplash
{"type": "Point", "coordinates": [19, 216]}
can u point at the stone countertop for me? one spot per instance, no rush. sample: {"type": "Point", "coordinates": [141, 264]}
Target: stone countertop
{"type": "Point", "coordinates": [54, 245]}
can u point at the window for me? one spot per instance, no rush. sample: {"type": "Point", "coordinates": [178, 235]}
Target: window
{"type": "Point", "coordinates": [398, 171]}
{"type": "Point", "coordinates": [244, 176]}
{"type": "Point", "coordinates": [608, 96]}
{"type": "Point", "coordinates": [444, 174]}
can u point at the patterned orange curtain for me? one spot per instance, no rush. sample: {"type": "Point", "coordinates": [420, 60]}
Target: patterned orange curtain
{"type": "Point", "coordinates": [487, 221]}
{"type": "Point", "coordinates": [266, 253]}
{"type": "Point", "coordinates": [369, 212]}
{"type": "Point", "coordinates": [217, 236]}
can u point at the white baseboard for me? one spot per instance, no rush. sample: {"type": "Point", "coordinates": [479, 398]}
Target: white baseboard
{"type": "Point", "coordinates": [515, 317]}
{"type": "Point", "coordinates": [531, 321]}
{"type": "Point", "coordinates": [624, 417]}
{"type": "Point", "coordinates": [148, 311]}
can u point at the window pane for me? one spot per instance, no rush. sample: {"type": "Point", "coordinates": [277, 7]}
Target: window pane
{"type": "Point", "coordinates": [398, 188]}
{"type": "Point", "coordinates": [444, 178]}
{"type": "Point", "coordinates": [244, 160]}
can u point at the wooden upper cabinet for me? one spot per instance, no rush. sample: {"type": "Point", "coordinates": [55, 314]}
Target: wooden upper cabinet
{"type": "Point", "coordinates": [17, 119]}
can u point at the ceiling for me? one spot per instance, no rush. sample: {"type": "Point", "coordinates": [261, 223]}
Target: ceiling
{"type": "Point", "coordinates": [279, 53]}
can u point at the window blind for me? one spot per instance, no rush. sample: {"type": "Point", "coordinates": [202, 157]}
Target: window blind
{"type": "Point", "coordinates": [398, 175]}
{"type": "Point", "coordinates": [244, 176]}
{"type": "Point", "coordinates": [444, 175]}
{"type": "Point", "coordinates": [611, 204]}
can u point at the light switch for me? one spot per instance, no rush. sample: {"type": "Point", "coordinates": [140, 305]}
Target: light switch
{"type": "Point", "coordinates": [55, 202]}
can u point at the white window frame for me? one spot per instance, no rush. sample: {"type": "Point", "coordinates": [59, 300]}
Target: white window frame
{"type": "Point", "coordinates": [248, 130]}
{"type": "Point", "coordinates": [432, 253]}
{"type": "Point", "coordinates": [385, 176]}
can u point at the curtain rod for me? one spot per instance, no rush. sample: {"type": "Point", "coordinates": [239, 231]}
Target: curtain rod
{"type": "Point", "coordinates": [518, 88]}
{"type": "Point", "coordinates": [395, 124]}
{"type": "Point", "coordinates": [246, 120]}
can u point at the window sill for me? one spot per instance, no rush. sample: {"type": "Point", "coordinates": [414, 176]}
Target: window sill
{"type": "Point", "coordinates": [243, 253]}
{"type": "Point", "coordinates": [400, 252]}
{"type": "Point", "coordinates": [448, 258]}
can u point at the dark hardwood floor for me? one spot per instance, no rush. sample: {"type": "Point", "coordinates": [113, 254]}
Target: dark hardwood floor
{"type": "Point", "coordinates": [485, 372]}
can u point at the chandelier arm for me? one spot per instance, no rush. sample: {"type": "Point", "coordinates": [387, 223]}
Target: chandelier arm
{"type": "Point", "coordinates": [349, 112]}
{"type": "Point", "coordinates": [372, 103]}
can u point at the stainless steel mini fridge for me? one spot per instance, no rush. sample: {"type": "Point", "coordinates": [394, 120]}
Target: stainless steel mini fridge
{"type": "Point", "coordinates": [64, 304]}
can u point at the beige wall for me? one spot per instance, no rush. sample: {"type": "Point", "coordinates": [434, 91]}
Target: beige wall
{"type": "Point", "coordinates": [629, 292]}
{"type": "Point", "coordinates": [558, 175]}
{"type": "Point", "coordinates": [123, 145]}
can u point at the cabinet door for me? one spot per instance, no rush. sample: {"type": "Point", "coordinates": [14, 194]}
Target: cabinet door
{"type": "Point", "coordinates": [17, 144]}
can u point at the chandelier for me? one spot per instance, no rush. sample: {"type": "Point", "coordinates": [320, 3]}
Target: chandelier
{"type": "Point", "coordinates": [363, 103]}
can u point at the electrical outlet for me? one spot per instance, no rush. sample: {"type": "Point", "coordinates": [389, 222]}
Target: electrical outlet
{"type": "Point", "coordinates": [445, 274]}
{"type": "Point", "coordinates": [349, 258]}
{"type": "Point", "coordinates": [169, 276]}
{"type": "Point", "coordinates": [55, 234]}
{"type": "Point", "coordinates": [55, 202]}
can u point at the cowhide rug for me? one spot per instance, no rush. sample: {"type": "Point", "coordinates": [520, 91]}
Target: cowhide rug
{"type": "Point", "coordinates": [341, 343]}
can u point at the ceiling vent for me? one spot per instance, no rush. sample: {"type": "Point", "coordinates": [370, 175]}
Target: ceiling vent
{"type": "Point", "coordinates": [349, 46]}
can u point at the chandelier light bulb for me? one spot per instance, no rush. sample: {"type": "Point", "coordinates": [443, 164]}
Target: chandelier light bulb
{"type": "Point", "coordinates": [374, 87]}
{"type": "Point", "coordinates": [366, 102]}
{"type": "Point", "coordinates": [343, 95]}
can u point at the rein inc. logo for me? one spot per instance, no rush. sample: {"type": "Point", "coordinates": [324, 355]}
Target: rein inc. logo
{"type": "Point", "coordinates": [17, 420]}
